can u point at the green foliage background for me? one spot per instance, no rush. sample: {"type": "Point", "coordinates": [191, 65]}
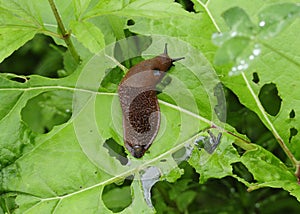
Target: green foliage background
{"type": "Point", "coordinates": [45, 168]}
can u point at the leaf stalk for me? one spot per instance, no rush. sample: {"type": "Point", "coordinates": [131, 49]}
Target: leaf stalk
{"type": "Point", "coordinates": [65, 35]}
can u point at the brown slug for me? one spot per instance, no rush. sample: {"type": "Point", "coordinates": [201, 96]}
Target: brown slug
{"type": "Point", "coordinates": [137, 94]}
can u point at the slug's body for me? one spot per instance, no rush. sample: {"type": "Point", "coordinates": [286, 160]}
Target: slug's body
{"type": "Point", "coordinates": [137, 93]}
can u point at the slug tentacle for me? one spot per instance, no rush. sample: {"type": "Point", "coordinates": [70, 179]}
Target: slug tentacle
{"type": "Point", "coordinates": [177, 59]}
{"type": "Point", "coordinates": [140, 108]}
{"type": "Point", "coordinates": [166, 49]}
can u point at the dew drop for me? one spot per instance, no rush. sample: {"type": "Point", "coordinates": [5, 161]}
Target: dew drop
{"type": "Point", "coordinates": [218, 38]}
{"type": "Point", "coordinates": [217, 35]}
{"type": "Point", "coordinates": [262, 24]}
{"type": "Point", "coordinates": [240, 67]}
{"type": "Point", "coordinates": [233, 34]}
{"type": "Point", "coordinates": [233, 71]}
{"type": "Point", "coordinates": [256, 52]}
{"type": "Point", "coordinates": [251, 57]}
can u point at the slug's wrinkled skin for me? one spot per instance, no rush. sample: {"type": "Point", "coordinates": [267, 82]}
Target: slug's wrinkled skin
{"type": "Point", "coordinates": [137, 94]}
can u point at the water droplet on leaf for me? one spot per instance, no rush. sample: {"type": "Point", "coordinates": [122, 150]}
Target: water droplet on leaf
{"type": "Point", "coordinates": [262, 24]}
{"type": "Point", "coordinates": [233, 34]}
{"type": "Point", "coordinates": [256, 52]}
{"type": "Point", "coordinates": [251, 57]}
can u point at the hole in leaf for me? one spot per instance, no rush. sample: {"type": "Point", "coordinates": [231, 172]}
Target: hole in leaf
{"type": "Point", "coordinates": [39, 56]}
{"type": "Point", "coordinates": [111, 80]}
{"type": "Point", "coordinates": [244, 120]}
{"type": "Point", "coordinates": [240, 150]}
{"type": "Point", "coordinates": [115, 150]}
{"type": "Point", "coordinates": [138, 45]}
{"type": "Point", "coordinates": [178, 197]}
{"type": "Point", "coordinates": [247, 122]}
{"type": "Point", "coordinates": [255, 78]}
{"type": "Point", "coordinates": [130, 22]}
{"type": "Point", "coordinates": [117, 197]}
{"type": "Point", "coordinates": [187, 5]}
{"type": "Point", "coordinates": [20, 79]}
{"type": "Point", "coordinates": [293, 133]}
{"type": "Point", "coordinates": [9, 201]}
{"type": "Point", "coordinates": [270, 99]}
{"type": "Point", "coordinates": [47, 110]}
{"type": "Point", "coordinates": [292, 114]}
{"type": "Point", "coordinates": [241, 170]}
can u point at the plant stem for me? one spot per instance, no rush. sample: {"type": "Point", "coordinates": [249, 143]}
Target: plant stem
{"type": "Point", "coordinates": [65, 34]}
{"type": "Point", "coordinates": [297, 173]}
{"type": "Point", "coordinates": [205, 6]}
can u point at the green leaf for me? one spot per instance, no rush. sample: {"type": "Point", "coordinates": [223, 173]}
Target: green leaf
{"type": "Point", "coordinates": [277, 176]}
{"type": "Point", "coordinates": [67, 169]}
{"type": "Point", "coordinates": [238, 21]}
{"type": "Point", "coordinates": [272, 66]}
{"type": "Point", "coordinates": [80, 7]}
{"type": "Point", "coordinates": [141, 8]}
{"type": "Point", "coordinates": [276, 66]}
{"type": "Point", "coordinates": [231, 50]}
{"type": "Point", "coordinates": [89, 35]}
{"type": "Point", "coordinates": [10, 40]}
{"type": "Point", "coordinates": [272, 22]}
{"type": "Point", "coordinates": [217, 165]}
{"type": "Point", "coordinates": [275, 63]}
{"type": "Point", "coordinates": [20, 21]}
{"type": "Point", "coordinates": [275, 18]}
{"type": "Point", "coordinates": [77, 146]}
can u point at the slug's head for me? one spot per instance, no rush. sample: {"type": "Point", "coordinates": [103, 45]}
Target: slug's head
{"type": "Point", "coordinates": [163, 62]}
{"type": "Point", "coordinates": [136, 151]}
